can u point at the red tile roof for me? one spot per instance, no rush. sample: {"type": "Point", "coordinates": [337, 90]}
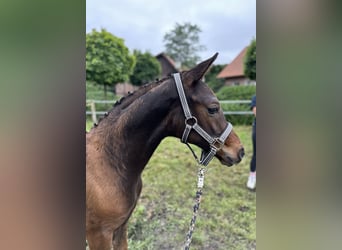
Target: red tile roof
{"type": "Point", "coordinates": [235, 68]}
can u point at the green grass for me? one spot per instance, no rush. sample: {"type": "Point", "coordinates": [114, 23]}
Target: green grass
{"type": "Point", "coordinates": [227, 215]}
{"type": "Point", "coordinates": [89, 124]}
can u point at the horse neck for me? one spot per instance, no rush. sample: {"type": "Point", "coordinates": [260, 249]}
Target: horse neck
{"type": "Point", "coordinates": [136, 133]}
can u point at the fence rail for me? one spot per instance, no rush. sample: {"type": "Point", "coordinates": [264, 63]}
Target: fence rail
{"type": "Point", "coordinates": [94, 113]}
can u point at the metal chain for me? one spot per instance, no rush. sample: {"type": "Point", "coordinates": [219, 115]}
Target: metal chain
{"type": "Point", "coordinates": [200, 184]}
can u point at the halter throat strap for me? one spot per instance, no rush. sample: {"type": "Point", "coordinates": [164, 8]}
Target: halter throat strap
{"type": "Point", "coordinates": [215, 143]}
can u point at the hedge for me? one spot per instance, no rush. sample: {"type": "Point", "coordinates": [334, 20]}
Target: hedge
{"type": "Point", "coordinates": [237, 93]}
{"type": "Point", "coordinates": [244, 92]}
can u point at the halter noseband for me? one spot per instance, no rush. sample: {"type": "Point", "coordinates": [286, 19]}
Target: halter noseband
{"type": "Point", "coordinates": [215, 143]}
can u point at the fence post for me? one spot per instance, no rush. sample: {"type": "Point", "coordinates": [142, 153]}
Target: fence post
{"type": "Point", "coordinates": [93, 111]}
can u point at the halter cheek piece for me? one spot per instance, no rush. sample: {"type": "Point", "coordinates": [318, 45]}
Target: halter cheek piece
{"type": "Point", "coordinates": [215, 143]}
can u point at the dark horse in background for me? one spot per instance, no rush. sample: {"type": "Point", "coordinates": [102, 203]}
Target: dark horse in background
{"type": "Point", "coordinates": [120, 146]}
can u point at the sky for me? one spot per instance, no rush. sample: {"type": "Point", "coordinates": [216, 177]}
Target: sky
{"type": "Point", "coordinates": [227, 25]}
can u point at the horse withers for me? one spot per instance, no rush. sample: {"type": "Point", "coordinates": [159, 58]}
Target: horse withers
{"type": "Point", "coordinates": [120, 146]}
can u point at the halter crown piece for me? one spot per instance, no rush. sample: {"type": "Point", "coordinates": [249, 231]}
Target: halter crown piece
{"type": "Point", "coordinates": [215, 143]}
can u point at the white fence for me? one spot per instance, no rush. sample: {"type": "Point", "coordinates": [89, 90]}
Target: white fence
{"type": "Point", "coordinates": [94, 113]}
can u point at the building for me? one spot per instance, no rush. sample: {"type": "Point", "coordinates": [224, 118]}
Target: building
{"type": "Point", "coordinates": [233, 73]}
{"type": "Point", "coordinates": [167, 66]}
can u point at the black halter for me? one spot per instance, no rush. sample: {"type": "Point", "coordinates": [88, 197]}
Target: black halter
{"type": "Point", "coordinates": [215, 143]}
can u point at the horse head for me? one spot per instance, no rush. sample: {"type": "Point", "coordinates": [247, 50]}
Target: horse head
{"type": "Point", "coordinates": [206, 112]}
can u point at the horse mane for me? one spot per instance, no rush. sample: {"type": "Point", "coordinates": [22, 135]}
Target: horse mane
{"type": "Point", "coordinates": [127, 100]}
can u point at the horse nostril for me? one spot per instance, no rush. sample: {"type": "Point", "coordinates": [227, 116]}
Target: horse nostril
{"type": "Point", "coordinates": [242, 153]}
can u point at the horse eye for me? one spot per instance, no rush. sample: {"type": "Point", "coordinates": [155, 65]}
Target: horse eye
{"type": "Point", "coordinates": [213, 110]}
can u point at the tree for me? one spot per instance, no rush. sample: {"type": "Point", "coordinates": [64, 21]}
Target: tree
{"type": "Point", "coordinates": [147, 68]}
{"type": "Point", "coordinates": [108, 60]}
{"type": "Point", "coordinates": [250, 61]}
{"type": "Point", "coordinates": [211, 77]}
{"type": "Point", "coordinates": [182, 44]}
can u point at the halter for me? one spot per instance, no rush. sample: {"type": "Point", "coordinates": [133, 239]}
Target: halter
{"type": "Point", "coordinates": [215, 143]}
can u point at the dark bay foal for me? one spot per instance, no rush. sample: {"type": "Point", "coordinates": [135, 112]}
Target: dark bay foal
{"type": "Point", "coordinates": [123, 142]}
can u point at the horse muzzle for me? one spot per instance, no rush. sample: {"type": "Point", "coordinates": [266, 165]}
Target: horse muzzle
{"type": "Point", "coordinates": [227, 158]}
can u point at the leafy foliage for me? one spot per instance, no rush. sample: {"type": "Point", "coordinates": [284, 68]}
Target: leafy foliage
{"type": "Point", "coordinates": [213, 82]}
{"type": "Point", "coordinates": [237, 93]}
{"type": "Point", "coordinates": [182, 44]}
{"type": "Point", "coordinates": [147, 68]}
{"type": "Point", "coordinates": [244, 92]}
{"type": "Point", "coordinates": [250, 61]}
{"type": "Point", "coordinates": [108, 60]}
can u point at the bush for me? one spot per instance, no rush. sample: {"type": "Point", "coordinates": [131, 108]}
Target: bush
{"type": "Point", "coordinates": [237, 93]}
{"type": "Point", "coordinates": [238, 119]}
{"type": "Point", "coordinates": [211, 77]}
{"type": "Point", "coordinates": [215, 84]}
{"type": "Point", "coordinates": [147, 68]}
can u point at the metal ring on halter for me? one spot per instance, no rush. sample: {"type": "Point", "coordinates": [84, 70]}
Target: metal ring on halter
{"type": "Point", "coordinates": [188, 121]}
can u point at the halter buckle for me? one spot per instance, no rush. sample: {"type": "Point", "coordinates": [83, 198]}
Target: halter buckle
{"type": "Point", "coordinates": [217, 144]}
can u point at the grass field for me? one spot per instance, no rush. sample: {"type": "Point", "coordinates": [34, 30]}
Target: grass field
{"type": "Point", "coordinates": [227, 215]}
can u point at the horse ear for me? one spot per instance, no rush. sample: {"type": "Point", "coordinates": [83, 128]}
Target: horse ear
{"type": "Point", "coordinates": [195, 74]}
